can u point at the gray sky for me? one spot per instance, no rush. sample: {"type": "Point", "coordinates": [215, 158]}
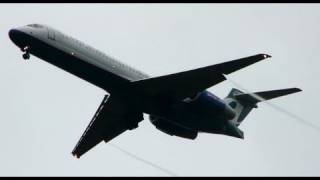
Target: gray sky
{"type": "Point", "coordinates": [44, 110]}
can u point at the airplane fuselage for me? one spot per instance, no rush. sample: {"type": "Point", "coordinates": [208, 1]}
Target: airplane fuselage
{"type": "Point", "coordinates": [204, 113]}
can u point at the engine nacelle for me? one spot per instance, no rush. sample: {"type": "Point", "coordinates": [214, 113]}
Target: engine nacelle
{"type": "Point", "coordinates": [172, 128]}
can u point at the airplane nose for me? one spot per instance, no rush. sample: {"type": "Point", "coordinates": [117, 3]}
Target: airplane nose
{"type": "Point", "coordinates": [12, 34]}
{"type": "Point", "coordinates": [18, 37]}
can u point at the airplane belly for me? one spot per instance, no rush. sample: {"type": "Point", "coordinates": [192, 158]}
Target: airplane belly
{"type": "Point", "coordinates": [206, 113]}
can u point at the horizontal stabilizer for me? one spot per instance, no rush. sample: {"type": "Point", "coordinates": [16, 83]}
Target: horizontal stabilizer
{"type": "Point", "coordinates": [188, 83]}
{"type": "Point", "coordinates": [265, 95]}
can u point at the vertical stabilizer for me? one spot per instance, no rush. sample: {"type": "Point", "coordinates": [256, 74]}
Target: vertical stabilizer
{"type": "Point", "coordinates": [243, 103]}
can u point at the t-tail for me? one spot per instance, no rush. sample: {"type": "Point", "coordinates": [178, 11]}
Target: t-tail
{"type": "Point", "coordinates": [243, 103]}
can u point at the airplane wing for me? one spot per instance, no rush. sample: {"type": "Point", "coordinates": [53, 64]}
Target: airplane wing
{"type": "Point", "coordinates": [110, 120]}
{"type": "Point", "coordinates": [188, 83]}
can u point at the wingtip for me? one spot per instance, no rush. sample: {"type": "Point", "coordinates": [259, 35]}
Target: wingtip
{"type": "Point", "coordinates": [294, 90]}
{"type": "Point", "coordinates": [266, 56]}
{"type": "Point", "coordinates": [76, 155]}
{"type": "Point", "coordinates": [298, 89]}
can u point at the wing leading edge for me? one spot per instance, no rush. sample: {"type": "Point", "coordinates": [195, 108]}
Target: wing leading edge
{"type": "Point", "coordinates": [110, 120]}
{"type": "Point", "coordinates": [188, 83]}
{"type": "Point", "coordinates": [93, 134]}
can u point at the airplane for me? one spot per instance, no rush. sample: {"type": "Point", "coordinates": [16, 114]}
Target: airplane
{"type": "Point", "coordinates": [178, 104]}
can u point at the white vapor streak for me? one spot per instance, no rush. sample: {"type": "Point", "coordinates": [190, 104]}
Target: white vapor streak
{"type": "Point", "coordinates": [144, 161]}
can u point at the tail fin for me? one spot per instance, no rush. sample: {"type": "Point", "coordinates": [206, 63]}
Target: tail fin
{"type": "Point", "coordinates": [243, 103]}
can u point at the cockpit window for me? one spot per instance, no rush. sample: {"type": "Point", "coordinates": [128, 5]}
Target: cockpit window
{"type": "Point", "coordinates": [35, 25]}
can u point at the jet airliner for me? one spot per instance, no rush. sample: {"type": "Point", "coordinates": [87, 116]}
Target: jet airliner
{"type": "Point", "coordinates": [177, 104]}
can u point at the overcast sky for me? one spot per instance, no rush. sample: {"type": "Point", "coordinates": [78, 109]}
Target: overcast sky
{"type": "Point", "coordinates": [44, 110]}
